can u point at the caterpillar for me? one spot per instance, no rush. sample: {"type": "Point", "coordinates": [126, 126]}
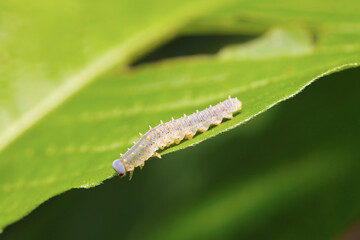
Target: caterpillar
{"type": "Point", "coordinates": [173, 131]}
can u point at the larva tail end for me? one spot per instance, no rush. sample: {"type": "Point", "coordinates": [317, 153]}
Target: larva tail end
{"type": "Point", "coordinates": [238, 104]}
{"type": "Point", "coordinates": [119, 167]}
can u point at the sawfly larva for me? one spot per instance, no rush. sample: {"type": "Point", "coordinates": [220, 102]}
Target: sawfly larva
{"type": "Point", "coordinates": [173, 131]}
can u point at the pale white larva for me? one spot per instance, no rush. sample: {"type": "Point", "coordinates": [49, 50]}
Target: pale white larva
{"type": "Point", "coordinates": [174, 131]}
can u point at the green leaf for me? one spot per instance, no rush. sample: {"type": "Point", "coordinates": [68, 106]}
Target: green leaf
{"type": "Point", "coordinates": [291, 173]}
{"type": "Point", "coordinates": [73, 146]}
{"type": "Point", "coordinates": [49, 51]}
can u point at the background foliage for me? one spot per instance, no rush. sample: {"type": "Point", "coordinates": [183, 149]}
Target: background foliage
{"type": "Point", "coordinates": [68, 110]}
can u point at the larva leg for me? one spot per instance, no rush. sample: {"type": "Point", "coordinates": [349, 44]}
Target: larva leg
{"type": "Point", "coordinates": [177, 140]}
{"type": "Point", "coordinates": [131, 175]}
{"type": "Point", "coordinates": [230, 116]}
{"type": "Point", "coordinates": [188, 136]}
{"type": "Point", "coordinates": [202, 130]}
{"type": "Point", "coordinates": [157, 155]}
{"type": "Point", "coordinates": [218, 121]}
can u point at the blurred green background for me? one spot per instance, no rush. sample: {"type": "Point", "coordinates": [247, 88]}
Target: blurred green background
{"type": "Point", "coordinates": [291, 173]}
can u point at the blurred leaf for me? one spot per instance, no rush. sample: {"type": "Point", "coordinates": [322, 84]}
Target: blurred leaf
{"type": "Point", "coordinates": [254, 17]}
{"type": "Point", "coordinates": [50, 50]}
{"type": "Point", "coordinates": [74, 145]}
{"type": "Point", "coordinates": [276, 43]}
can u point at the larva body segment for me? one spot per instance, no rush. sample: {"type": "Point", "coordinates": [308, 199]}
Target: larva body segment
{"type": "Point", "coordinates": [174, 131]}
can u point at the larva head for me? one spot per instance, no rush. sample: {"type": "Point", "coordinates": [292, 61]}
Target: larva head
{"type": "Point", "coordinates": [119, 167]}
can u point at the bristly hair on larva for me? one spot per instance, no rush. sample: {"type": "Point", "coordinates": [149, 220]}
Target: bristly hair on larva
{"type": "Point", "coordinates": [175, 130]}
